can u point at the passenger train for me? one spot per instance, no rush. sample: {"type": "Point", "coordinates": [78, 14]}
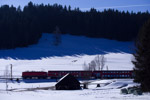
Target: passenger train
{"type": "Point", "coordinates": [78, 74]}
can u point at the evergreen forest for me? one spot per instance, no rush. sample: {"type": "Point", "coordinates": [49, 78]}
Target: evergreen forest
{"type": "Point", "coordinates": [142, 56]}
{"type": "Point", "coordinates": [20, 27]}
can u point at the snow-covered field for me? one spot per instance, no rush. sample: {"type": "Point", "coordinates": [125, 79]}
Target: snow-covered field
{"type": "Point", "coordinates": [115, 61]}
{"type": "Point", "coordinates": [69, 55]}
{"type": "Point", "coordinates": [109, 92]}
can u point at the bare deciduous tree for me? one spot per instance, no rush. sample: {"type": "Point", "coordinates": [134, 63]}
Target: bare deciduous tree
{"type": "Point", "coordinates": [97, 64]}
{"type": "Point", "coordinates": [93, 65]}
{"type": "Point", "coordinates": [85, 66]}
{"type": "Point", "coordinates": [102, 61]}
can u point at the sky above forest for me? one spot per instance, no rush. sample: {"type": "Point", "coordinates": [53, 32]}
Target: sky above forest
{"type": "Point", "coordinates": [122, 5]}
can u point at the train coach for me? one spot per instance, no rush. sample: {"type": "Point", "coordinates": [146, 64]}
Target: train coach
{"type": "Point", "coordinates": [79, 74]}
{"type": "Point", "coordinates": [34, 75]}
{"type": "Point", "coordinates": [93, 74]}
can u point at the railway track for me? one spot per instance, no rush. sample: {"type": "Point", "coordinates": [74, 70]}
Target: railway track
{"type": "Point", "coordinates": [32, 89]}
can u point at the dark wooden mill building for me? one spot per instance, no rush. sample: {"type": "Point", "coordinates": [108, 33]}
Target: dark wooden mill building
{"type": "Point", "coordinates": [68, 82]}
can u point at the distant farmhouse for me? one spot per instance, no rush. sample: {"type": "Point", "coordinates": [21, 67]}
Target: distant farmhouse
{"type": "Point", "coordinates": [68, 82]}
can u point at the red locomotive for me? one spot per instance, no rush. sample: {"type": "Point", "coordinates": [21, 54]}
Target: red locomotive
{"type": "Point", "coordinates": [34, 75]}
{"type": "Point", "coordinates": [78, 74]}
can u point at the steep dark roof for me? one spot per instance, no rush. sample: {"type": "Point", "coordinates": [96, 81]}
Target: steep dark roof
{"type": "Point", "coordinates": [67, 80]}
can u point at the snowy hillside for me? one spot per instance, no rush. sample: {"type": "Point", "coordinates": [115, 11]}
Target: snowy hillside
{"type": "Point", "coordinates": [69, 55]}
{"type": "Point", "coordinates": [71, 45]}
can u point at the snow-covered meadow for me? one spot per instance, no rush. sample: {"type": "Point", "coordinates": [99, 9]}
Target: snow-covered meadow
{"type": "Point", "coordinates": [109, 92]}
{"type": "Point", "coordinates": [69, 55]}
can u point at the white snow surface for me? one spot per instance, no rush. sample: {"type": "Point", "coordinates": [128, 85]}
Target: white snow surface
{"type": "Point", "coordinates": [107, 92]}
{"type": "Point", "coordinates": [115, 61]}
{"type": "Point", "coordinates": [70, 55]}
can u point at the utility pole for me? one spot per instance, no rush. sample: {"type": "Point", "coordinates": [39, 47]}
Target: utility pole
{"type": "Point", "coordinates": [6, 77]}
{"type": "Point", "coordinates": [11, 71]}
{"type": "Point", "coordinates": [107, 68]}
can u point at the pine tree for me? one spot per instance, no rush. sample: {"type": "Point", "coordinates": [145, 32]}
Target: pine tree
{"type": "Point", "coordinates": [57, 36]}
{"type": "Point", "coordinates": [142, 58]}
